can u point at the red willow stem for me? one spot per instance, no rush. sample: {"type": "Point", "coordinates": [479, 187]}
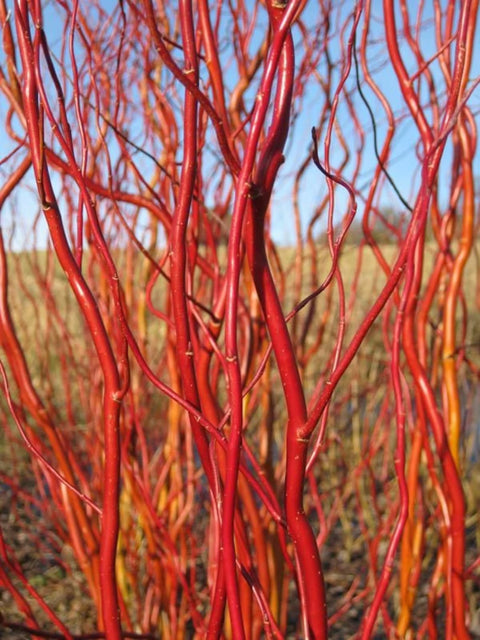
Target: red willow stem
{"type": "Point", "coordinates": [178, 260]}
{"type": "Point", "coordinates": [191, 87]}
{"type": "Point", "coordinates": [399, 460]}
{"type": "Point", "coordinates": [455, 551]}
{"type": "Point", "coordinates": [32, 446]}
{"type": "Point", "coordinates": [148, 148]}
{"type": "Point", "coordinates": [88, 306]}
{"type": "Point", "coordinates": [32, 401]}
{"type": "Point", "coordinates": [309, 572]}
{"type": "Point", "coordinates": [245, 190]}
{"type": "Point", "coordinates": [213, 64]}
{"type": "Point", "coordinates": [16, 570]}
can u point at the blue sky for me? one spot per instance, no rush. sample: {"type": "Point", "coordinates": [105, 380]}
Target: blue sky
{"type": "Point", "coordinates": [403, 163]}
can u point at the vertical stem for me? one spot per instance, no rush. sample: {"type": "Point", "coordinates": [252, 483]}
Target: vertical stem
{"type": "Point", "coordinates": [88, 306]}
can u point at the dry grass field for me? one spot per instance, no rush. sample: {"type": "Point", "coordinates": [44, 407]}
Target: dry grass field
{"type": "Point", "coordinates": [47, 321]}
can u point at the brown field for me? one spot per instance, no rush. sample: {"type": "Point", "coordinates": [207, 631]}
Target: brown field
{"type": "Point", "coordinates": [45, 321]}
